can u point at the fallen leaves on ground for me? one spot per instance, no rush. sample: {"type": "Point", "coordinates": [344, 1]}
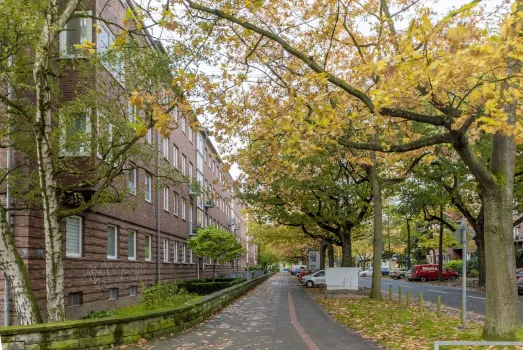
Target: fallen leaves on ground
{"type": "Point", "coordinates": [395, 326]}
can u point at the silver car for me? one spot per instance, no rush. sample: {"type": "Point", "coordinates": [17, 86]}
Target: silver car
{"type": "Point", "coordinates": [316, 279]}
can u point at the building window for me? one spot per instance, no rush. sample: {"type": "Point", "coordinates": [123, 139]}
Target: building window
{"type": "Point", "coordinates": [104, 40]}
{"type": "Point", "coordinates": [76, 135]}
{"type": "Point", "coordinates": [175, 156]}
{"type": "Point", "coordinates": [77, 31]}
{"type": "Point", "coordinates": [176, 204]}
{"type": "Point", "coordinates": [190, 170]}
{"type": "Point", "coordinates": [148, 188]}
{"type": "Point", "coordinates": [184, 208]}
{"type": "Point", "coordinates": [166, 198]}
{"type": "Point", "coordinates": [112, 242]}
{"type": "Point", "coordinates": [165, 250]}
{"type": "Point", "coordinates": [113, 293]}
{"type": "Point", "coordinates": [149, 136]}
{"type": "Point", "coordinates": [165, 143]}
{"type": "Point", "coordinates": [184, 164]}
{"type": "Point", "coordinates": [148, 245]}
{"type": "Point", "coordinates": [132, 291]}
{"type": "Point", "coordinates": [74, 299]}
{"type": "Point", "coordinates": [73, 237]}
{"type": "Point", "coordinates": [131, 181]}
{"type": "Point", "coordinates": [183, 124]}
{"type": "Point", "coordinates": [190, 133]}
{"type": "Point", "coordinates": [105, 138]}
{"type": "Point", "coordinates": [184, 249]}
{"type": "Point", "coordinates": [131, 244]}
{"type": "Point", "coordinates": [176, 252]}
{"type": "Point", "coordinates": [191, 260]}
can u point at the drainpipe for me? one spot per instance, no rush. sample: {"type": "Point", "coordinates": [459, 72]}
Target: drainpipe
{"type": "Point", "coordinates": [158, 233]}
{"type": "Point", "coordinates": [10, 94]}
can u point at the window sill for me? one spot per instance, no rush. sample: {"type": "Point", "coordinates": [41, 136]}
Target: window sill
{"type": "Point", "coordinates": [113, 258]}
{"type": "Point", "coordinates": [149, 201]}
{"type": "Point", "coordinates": [74, 257]}
{"type": "Point", "coordinates": [167, 211]}
{"type": "Point", "coordinates": [131, 259]}
{"type": "Point", "coordinates": [148, 260]}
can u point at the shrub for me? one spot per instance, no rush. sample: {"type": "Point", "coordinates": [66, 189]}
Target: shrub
{"type": "Point", "coordinates": [254, 268]}
{"type": "Point", "coordinates": [472, 265]}
{"type": "Point", "coordinates": [159, 296]}
{"type": "Point", "coordinates": [203, 287]}
{"type": "Point", "coordinates": [473, 273]}
{"type": "Point", "coordinates": [100, 314]}
{"type": "Point", "coordinates": [455, 265]}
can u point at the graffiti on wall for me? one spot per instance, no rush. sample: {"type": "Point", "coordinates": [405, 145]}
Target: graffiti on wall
{"type": "Point", "coordinates": [111, 275]}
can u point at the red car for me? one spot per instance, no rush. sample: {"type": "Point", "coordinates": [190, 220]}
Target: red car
{"type": "Point", "coordinates": [304, 273]}
{"type": "Point", "coordinates": [427, 272]}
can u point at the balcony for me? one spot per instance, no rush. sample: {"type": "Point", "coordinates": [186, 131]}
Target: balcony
{"type": "Point", "coordinates": [193, 228]}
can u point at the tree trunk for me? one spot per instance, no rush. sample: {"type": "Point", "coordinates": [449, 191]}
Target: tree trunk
{"type": "Point", "coordinates": [323, 248]}
{"type": "Point", "coordinates": [375, 292]}
{"type": "Point", "coordinates": [16, 276]}
{"type": "Point", "coordinates": [440, 245]}
{"type": "Point", "coordinates": [346, 249]}
{"type": "Point", "coordinates": [408, 243]}
{"type": "Point", "coordinates": [330, 253]}
{"type": "Point", "coordinates": [54, 22]}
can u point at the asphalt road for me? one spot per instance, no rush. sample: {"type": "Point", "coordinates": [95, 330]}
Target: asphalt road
{"type": "Point", "coordinates": [449, 296]}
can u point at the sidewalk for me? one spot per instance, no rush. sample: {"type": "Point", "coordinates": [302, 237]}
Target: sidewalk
{"type": "Point", "coordinates": [276, 315]}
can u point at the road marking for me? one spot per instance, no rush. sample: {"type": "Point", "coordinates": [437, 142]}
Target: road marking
{"type": "Point", "coordinates": [304, 336]}
{"type": "Point", "coordinates": [477, 297]}
{"type": "Point", "coordinates": [436, 291]}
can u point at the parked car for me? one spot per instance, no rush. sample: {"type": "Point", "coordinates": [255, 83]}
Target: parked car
{"type": "Point", "coordinates": [399, 273]}
{"type": "Point", "coordinates": [315, 279]}
{"type": "Point", "coordinates": [365, 273]}
{"type": "Point", "coordinates": [520, 287]}
{"type": "Point", "coordinates": [285, 269]}
{"type": "Point", "coordinates": [427, 272]}
{"type": "Point", "coordinates": [519, 274]}
{"type": "Point", "coordinates": [385, 271]}
{"type": "Point", "coordinates": [303, 273]}
{"type": "Point", "coordinates": [297, 269]}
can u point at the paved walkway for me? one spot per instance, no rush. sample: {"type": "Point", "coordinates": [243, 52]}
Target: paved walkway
{"type": "Point", "coordinates": [278, 314]}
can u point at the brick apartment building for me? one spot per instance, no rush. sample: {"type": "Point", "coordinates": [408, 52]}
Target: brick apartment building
{"type": "Point", "coordinates": [111, 251]}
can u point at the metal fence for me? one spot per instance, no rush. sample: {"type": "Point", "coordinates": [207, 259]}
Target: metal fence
{"type": "Point", "coordinates": [437, 344]}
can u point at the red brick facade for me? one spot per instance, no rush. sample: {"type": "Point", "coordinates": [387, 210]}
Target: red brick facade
{"type": "Point", "coordinates": [93, 274]}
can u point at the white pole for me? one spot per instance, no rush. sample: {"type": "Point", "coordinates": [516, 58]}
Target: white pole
{"type": "Point", "coordinates": [464, 274]}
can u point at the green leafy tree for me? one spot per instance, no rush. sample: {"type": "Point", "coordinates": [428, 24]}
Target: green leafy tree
{"type": "Point", "coordinates": [216, 244]}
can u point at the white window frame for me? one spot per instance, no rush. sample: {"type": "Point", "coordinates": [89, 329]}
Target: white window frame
{"type": "Point", "coordinates": [148, 188]}
{"type": "Point", "coordinates": [166, 199]}
{"type": "Point", "coordinates": [63, 36]}
{"type": "Point", "coordinates": [148, 239]}
{"type": "Point", "coordinates": [184, 253]}
{"type": "Point", "coordinates": [175, 251]}
{"type": "Point", "coordinates": [184, 208]}
{"type": "Point", "coordinates": [165, 250]}
{"type": "Point", "coordinates": [191, 259]}
{"type": "Point", "coordinates": [132, 291]}
{"type": "Point", "coordinates": [83, 150]}
{"type": "Point", "coordinates": [183, 123]}
{"type": "Point", "coordinates": [165, 147]}
{"type": "Point", "coordinates": [111, 297]}
{"type": "Point", "coordinates": [113, 257]}
{"type": "Point", "coordinates": [117, 72]}
{"type": "Point", "coordinates": [129, 257]}
{"type": "Point", "coordinates": [101, 118]}
{"type": "Point", "coordinates": [132, 174]}
{"type": "Point", "coordinates": [176, 210]}
{"type": "Point", "coordinates": [175, 156]}
{"type": "Point", "coordinates": [190, 134]}
{"type": "Point", "coordinates": [80, 230]}
{"type": "Point", "coordinates": [149, 136]}
{"type": "Point", "coordinates": [184, 164]}
{"type": "Point", "coordinates": [191, 170]}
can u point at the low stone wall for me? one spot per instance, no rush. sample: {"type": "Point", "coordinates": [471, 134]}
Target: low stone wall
{"type": "Point", "coordinates": [106, 332]}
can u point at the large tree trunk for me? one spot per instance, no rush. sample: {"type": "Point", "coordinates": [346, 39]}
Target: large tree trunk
{"type": "Point", "coordinates": [54, 22]}
{"type": "Point", "coordinates": [323, 248]}
{"type": "Point", "coordinates": [16, 276]}
{"type": "Point", "coordinates": [408, 243]}
{"type": "Point", "coordinates": [330, 254]}
{"type": "Point", "coordinates": [480, 248]}
{"type": "Point", "coordinates": [375, 292]}
{"type": "Point", "coordinates": [346, 249]}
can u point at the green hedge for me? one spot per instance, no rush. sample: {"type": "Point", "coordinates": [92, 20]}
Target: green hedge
{"type": "Point", "coordinates": [203, 287]}
{"type": "Point", "coordinates": [206, 280]}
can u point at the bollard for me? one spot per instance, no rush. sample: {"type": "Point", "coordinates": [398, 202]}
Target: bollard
{"type": "Point", "coordinates": [408, 298]}
{"type": "Point", "coordinates": [390, 292]}
{"type": "Point", "coordinates": [399, 295]}
{"type": "Point", "coordinates": [420, 302]}
{"type": "Point", "coordinates": [438, 306]}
